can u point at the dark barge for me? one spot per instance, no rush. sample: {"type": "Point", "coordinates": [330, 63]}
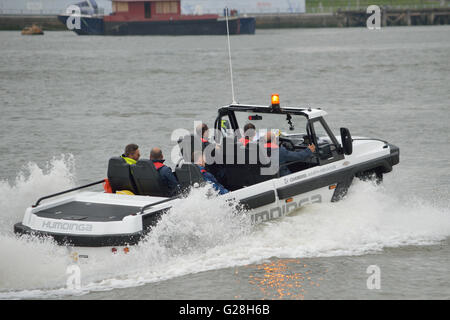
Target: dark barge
{"type": "Point", "coordinates": [150, 17]}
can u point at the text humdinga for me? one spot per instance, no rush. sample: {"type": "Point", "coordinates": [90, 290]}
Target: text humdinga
{"type": "Point", "coordinates": [66, 226]}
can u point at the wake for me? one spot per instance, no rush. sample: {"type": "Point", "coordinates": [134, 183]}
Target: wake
{"type": "Point", "coordinates": [201, 234]}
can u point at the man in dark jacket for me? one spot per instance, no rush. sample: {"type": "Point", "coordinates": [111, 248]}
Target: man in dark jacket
{"type": "Point", "coordinates": [166, 174]}
{"type": "Point", "coordinates": [285, 155]}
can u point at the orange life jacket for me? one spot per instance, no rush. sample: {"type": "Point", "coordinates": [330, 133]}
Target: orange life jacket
{"type": "Point", "coordinates": [271, 145]}
{"type": "Point", "coordinates": [107, 186]}
{"type": "Point", "coordinates": [244, 141]}
{"type": "Point", "coordinates": [158, 165]}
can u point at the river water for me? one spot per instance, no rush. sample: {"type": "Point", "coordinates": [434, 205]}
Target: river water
{"type": "Point", "coordinates": [68, 103]}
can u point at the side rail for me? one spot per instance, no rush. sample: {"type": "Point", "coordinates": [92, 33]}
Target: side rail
{"type": "Point", "coordinates": [148, 206]}
{"type": "Point", "coordinates": [67, 191]}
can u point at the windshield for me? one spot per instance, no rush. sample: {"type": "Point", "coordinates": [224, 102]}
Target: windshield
{"type": "Point", "coordinates": [277, 122]}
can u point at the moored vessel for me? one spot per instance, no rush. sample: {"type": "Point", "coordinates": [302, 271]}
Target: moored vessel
{"type": "Point", "coordinates": [33, 30]}
{"type": "Point", "coordinates": [150, 17]}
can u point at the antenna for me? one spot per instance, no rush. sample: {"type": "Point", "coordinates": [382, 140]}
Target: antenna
{"type": "Point", "coordinates": [229, 57]}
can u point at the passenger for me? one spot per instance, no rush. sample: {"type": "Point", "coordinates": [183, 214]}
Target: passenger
{"type": "Point", "coordinates": [209, 148]}
{"type": "Point", "coordinates": [225, 125]}
{"type": "Point", "coordinates": [249, 134]}
{"type": "Point", "coordinates": [199, 160]}
{"type": "Point", "coordinates": [166, 174]}
{"type": "Point", "coordinates": [131, 154]}
{"type": "Point", "coordinates": [202, 132]}
{"type": "Point", "coordinates": [285, 155]}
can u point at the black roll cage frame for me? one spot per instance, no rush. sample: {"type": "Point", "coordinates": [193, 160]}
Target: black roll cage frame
{"type": "Point", "coordinates": [231, 109]}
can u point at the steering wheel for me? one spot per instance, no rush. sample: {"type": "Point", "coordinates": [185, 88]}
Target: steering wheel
{"type": "Point", "coordinates": [288, 145]}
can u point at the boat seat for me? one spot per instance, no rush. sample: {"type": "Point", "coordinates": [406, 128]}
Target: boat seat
{"type": "Point", "coordinates": [246, 174]}
{"type": "Point", "coordinates": [189, 174]}
{"type": "Point", "coordinates": [119, 175]}
{"type": "Point", "coordinates": [189, 144]}
{"type": "Point", "coordinates": [147, 179]}
{"type": "Point", "coordinates": [186, 143]}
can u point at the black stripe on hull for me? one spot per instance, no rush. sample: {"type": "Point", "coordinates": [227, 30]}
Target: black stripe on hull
{"type": "Point", "coordinates": [342, 177]}
{"type": "Point", "coordinates": [84, 240]}
{"type": "Point", "coordinates": [97, 26]}
{"type": "Point", "coordinates": [148, 221]}
{"type": "Point", "coordinates": [259, 200]}
{"type": "Point", "coordinates": [88, 26]}
{"type": "Point", "coordinates": [175, 27]}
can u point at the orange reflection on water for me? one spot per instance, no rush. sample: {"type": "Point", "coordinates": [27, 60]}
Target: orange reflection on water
{"type": "Point", "coordinates": [276, 280]}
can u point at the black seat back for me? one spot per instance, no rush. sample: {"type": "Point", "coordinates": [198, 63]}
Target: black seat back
{"type": "Point", "coordinates": [189, 174]}
{"type": "Point", "coordinates": [147, 179]}
{"type": "Point", "coordinates": [241, 175]}
{"type": "Point", "coordinates": [119, 175]}
{"type": "Point", "coordinates": [188, 144]}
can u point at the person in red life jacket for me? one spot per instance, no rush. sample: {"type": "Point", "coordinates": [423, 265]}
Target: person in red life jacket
{"type": "Point", "coordinates": [285, 155]}
{"type": "Point", "coordinates": [131, 154]}
{"type": "Point", "coordinates": [202, 132]}
{"type": "Point", "coordinates": [208, 148]}
{"type": "Point", "coordinates": [166, 174]}
{"type": "Point", "coordinates": [199, 160]}
{"type": "Point", "coordinates": [249, 134]}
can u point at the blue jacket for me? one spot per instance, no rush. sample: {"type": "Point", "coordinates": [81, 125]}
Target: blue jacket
{"type": "Point", "coordinates": [211, 179]}
{"type": "Point", "coordinates": [168, 178]}
{"type": "Point", "coordinates": [287, 156]}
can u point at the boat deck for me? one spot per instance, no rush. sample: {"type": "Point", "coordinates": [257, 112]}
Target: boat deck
{"type": "Point", "coordinates": [87, 211]}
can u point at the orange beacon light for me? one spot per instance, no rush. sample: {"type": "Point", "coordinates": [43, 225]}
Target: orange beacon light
{"type": "Point", "coordinates": [275, 100]}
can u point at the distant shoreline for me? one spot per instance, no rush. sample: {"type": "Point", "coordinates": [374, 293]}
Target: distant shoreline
{"type": "Point", "coordinates": [18, 22]}
{"type": "Point", "coordinates": [339, 19]}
